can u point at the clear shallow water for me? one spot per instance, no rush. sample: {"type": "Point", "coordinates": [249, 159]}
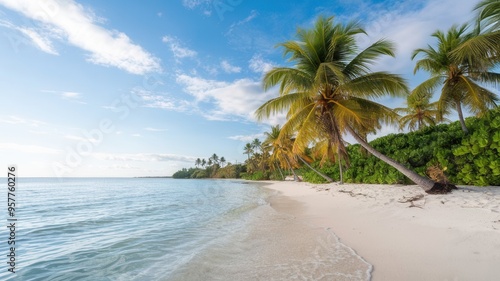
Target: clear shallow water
{"type": "Point", "coordinates": [165, 229]}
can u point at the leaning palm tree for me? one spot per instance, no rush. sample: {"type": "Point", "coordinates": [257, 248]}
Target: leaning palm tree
{"type": "Point", "coordinates": [281, 150]}
{"type": "Point", "coordinates": [329, 90]}
{"type": "Point", "coordinates": [419, 113]}
{"type": "Point", "coordinates": [460, 80]}
{"type": "Point", "coordinates": [282, 147]}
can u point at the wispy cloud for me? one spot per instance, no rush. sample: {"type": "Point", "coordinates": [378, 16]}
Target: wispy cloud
{"type": "Point", "coordinates": [194, 3]}
{"type": "Point", "coordinates": [71, 22]}
{"type": "Point", "coordinates": [247, 138]}
{"type": "Point", "coordinates": [238, 99]}
{"type": "Point", "coordinates": [178, 49]}
{"type": "Point", "coordinates": [228, 68]}
{"type": "Point", "coordinates": [410, 26]}
{"type": "Point", "coordinates": [250, 17]}
{"type": "Point", "coordinates": [67, 95]}
{"type": "Point", "coordinates": [22, 121]}
{"type": "Point", "coordinates": [162, 101]}
{"type": "Point", "coordinates": [259, 65]}
{"type": "Point", "coordinates": [25, 148]}
{"type": "Point", "coordinates": [80, 139]}
{"type": "Point", "coordinates": [145, 157]}
{"type": "Point", "coordinates": [38, 39]}
{"type": "Point", "coordinates": [155, 129]}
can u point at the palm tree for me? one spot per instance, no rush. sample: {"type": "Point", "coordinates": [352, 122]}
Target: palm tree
{"type": "Point", "coordinates": [222, 161]}
{"type": "Point", "coordinates": [281, 150]}
{"type": "Point", "coordinates": [484, 43]}
{"type": "Point", "coordinates": [459, 78]}
{"type": "Point", "coordinates": [256, 143]}
{"type": "Point", "coordinates": [324, 151]}
{"type": "Point", "coordinates": [248, 150]}
{"type": "Point", "coordinates": [203, 162]}
{"type": "Point", "coordinates": [197, 162]}
{"type": "Point", "coordinates": [328, 91]}
{"type": "Point", "coordinates": [419, 113]}
{"type": "Point", "coordinates": [215, 158]}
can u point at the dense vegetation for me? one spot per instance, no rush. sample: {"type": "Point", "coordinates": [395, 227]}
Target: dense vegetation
{"type": "Point", "coordinates": [465, 159]}
{"type": "Point", "coordinates": [472, 159]}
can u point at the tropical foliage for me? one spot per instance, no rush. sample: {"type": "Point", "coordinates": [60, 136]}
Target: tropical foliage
{"type": "Point", "coordinates": [472, 159]}
{"type": "Point", "coordinates": [461, 81]}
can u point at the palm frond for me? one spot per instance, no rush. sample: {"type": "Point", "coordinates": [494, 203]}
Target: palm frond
{"type": "Point", "coordinates": [376, 84]}
{"type": "Point", "coordinates": [360, 64]}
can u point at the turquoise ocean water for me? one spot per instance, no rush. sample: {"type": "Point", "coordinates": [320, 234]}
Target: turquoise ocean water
{"type": "Point", "coordinates": [164, 229]}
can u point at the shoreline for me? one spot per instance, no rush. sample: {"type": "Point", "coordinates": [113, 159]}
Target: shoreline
{"type": "Point", "coordinates": [403, 232]}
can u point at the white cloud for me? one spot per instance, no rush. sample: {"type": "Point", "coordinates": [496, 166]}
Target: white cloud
{"type": "Point", "coordinates": [67, 95]}
{"type": "Point", "coordinates": [71, 95]}
{"type": "Point", "coordinates": [21, 121]}
{"type": "Point", "coordinates": [410, 28]}
{"type": "Point", "coordinates": [191, 4]}
{"type": "Point", "coordinates": [259, 65]}
{"type": "Point", "coordinates": [155, 129]}
{"type": "Point", "coordinates": [177, 48]}
{"type": "Point", "coordinates": [81, 139]}
{"type": "Point", "coordinates": [40, 41]}
{"type": "Point", "coordinates": [228, 68]}
{"type": "Point", "coordinates": [144, 157]}
{"type": "Point", "coordinates": [136, 135]}
{"type": "Point", "coordinates": [155, 100]}
{"type": "Point", "coordinates": [252, 15]}
{"type": "Point", "coordinates": [237, 99]}
{"type": "Point", "coordinates": [68, 20]}
{"type": "Point", "coordinates": [247, 138]}
{"type": "Point", "coordinates": [28, 148]}
{"type": "Point", "coordinates": [43, 43]}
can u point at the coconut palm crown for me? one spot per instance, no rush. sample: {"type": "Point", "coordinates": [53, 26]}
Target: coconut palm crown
{"type": "Point", "coordinates": [329, 89]}
{"type": "Point", "coordinates": [419, 113]}
{"type": "Point", "coordinates": [461, 81]}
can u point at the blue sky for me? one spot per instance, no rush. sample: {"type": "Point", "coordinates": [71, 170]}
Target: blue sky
{"type": "Point", "coordinates": [143, 88]}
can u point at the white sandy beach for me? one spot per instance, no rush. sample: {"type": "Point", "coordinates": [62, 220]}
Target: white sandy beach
{"type": "Point", "coordinates": [437, 237]}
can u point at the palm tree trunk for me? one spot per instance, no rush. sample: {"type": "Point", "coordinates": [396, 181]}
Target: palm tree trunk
{"type": "Point", "coordinates": [340, 168]}
{"type": "Point", "coordinates": [461, 117]}
{"type": "Point", "coordinates": [426, 184]}
{"type": "Point", "coordinates": [295, 177]}
{"type": "Point", "coordinates": [327, 178]}
{"type": "Point", "coordinates": [281, 172]}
